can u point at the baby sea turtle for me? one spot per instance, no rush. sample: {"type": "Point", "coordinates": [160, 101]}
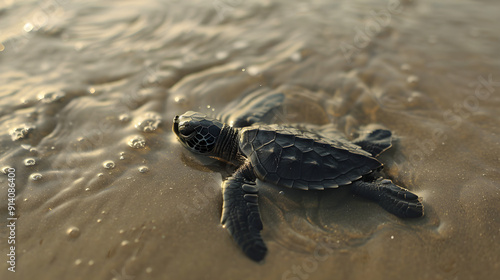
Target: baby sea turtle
{"type": "Point", "coordinates": [291, 157]}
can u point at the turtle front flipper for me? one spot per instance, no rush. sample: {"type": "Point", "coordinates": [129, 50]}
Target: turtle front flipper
{"type": "Point", "coordinates": [240, 213]}
{"type": "Point", "coordinates": [257, 107]}
{"type": "Point", "coordinates": [391, 197]}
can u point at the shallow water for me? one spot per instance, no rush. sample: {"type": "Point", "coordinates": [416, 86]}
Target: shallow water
{"type": "Point", "coordinates": [104, 190]}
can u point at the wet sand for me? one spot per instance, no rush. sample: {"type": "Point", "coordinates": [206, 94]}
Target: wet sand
{"type": "Point", "coordinates": [104, 190]}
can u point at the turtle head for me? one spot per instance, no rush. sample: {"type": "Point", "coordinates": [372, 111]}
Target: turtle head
{"type": "Point", "coordinates": [197, 132]}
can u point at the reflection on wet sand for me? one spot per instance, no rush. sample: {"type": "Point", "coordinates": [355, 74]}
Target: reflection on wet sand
{"type": "Point", "coordinates": [104, 191]}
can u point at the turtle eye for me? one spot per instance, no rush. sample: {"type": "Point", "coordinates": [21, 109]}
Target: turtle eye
{"type": "Point", "coordinates": [186, 129]}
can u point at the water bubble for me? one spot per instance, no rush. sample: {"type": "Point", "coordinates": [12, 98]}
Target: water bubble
{"type": "Point", "coordinates": [27, 101]}
{"type": "Point", "coordinates": [73, 232]}
{"type": "Point", "coordinates": [124, 117]}
{"type": "Point", "coordinates": [253, 70]}
{"type": "Point", "coordinates": [414, 98]}
{"type": "Point", "coordinates": [36, 176]}
{"type": "Point", "coordinates": [281, 192]}
{"type": "Point", "coordinates": [21, 131]}
{"type": "Point", "coordinates": [5, 169]}
{"type": "Point", "coordinates": [240, 45]}
{"type": "Point", "coordinates": [413, 80]}
{"type": "Point", "coordinates": [143, 169]}
{"type": "Point", "coordinates": [91, 262]}
{"type": "Point", "coordinates": [100, 174]}
{"type": "Point", "coordinates": [79, 46]}
{"type": "Point", "coordinates": [124, 243]}
{"type": "Point", "coordinates": [28, 27]}
{"type": "Point", "coordinates": [137, 142]}
{"type": "Point", "coordinates": [49, 97]}
{"type": "Point", "coordinates": [148, 122]}
{"type": "Point", "coordinates": [180, 99]}
{"type": "Point", "coordinates": [149, 270]}
{"type": "Point", "coordinates": [78, 262]}
{"type": "Point", "coordinates": [26, 147]}
{"type": "Point", "coordinates": [99, 220]}
{"type": "Point", "coordinates": [221, 55]}
{"type": "Point", "coordinates": [109, 164]}
{"type": "Point", "coordinates": [296, 57]}
{"type": "Point", "coordinates": [29, 162]}
{"type": "Point", "coordinates": [405, 67]}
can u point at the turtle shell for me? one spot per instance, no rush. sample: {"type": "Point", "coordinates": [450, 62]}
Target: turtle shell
{"type": "Point", "coordinates": [293, 158]}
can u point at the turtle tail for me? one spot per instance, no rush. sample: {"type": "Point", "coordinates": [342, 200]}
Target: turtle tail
{"type": "Point", "coordinates": [391, 197]}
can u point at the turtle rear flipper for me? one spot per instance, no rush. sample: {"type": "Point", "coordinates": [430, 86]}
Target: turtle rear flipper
{"type": "Point", "coordinates": [240, 214]}
{"type": "Point", "coordinates": [375, 141]}
{"type": "Point", "coordinates": [257, 107]}
{"type": "Point", "coordinates": [391, 197]}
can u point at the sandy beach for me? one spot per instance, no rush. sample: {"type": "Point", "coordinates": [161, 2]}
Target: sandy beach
{"type": "Point", "coordinates": [103, 189]}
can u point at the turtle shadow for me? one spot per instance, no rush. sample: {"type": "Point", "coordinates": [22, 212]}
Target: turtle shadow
{"type": "Point", "coordinates": [207, 164]}
{"type": "Point", "coordinates": [299, 220]}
